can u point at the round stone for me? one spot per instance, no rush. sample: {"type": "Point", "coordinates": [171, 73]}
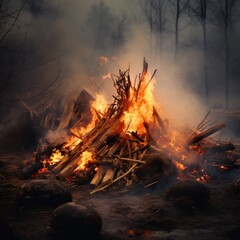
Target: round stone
{"type": "Point", "coordinates": [44, 191]}
{"type": "Point", "coordinates": [188, 195]}
{"type": "Point", "coordinates": [72, 219]}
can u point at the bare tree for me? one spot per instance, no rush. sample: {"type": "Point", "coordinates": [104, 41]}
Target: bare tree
{"type": "Point", "coordinates": [8, 18]}
{"type": "Point", "coordinates": [198, 12]}
{"type": "Point", "coordinates": [100, 24]}
{"type": "Point", "coordinates": [226, 14]}
{"type": "Point", "coordinates": [179, 7]}
{"type": "Point", "coordinates": [154, 14]}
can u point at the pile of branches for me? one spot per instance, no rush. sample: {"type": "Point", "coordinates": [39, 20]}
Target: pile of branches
{"type": "Point", "coordinates": [118, 152]}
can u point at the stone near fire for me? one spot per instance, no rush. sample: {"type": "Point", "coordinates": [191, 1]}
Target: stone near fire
{"type": "Point", "coordinates": [44, 191]}
{"type": "Point", "coordinates": [188, 195]}
{"type": "Point", "coordinates": [71, 219]}
{"type": "Point", "coordinates": [157, 167]}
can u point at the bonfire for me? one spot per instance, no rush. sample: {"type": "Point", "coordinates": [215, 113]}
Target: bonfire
{"type": "Point", "coordinates": [117, 144]}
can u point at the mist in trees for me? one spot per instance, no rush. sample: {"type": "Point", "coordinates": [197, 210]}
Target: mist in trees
{"type": "Point", "coordinates": [60, 47]}
{"type": "Point", "coordinates": [210, 30]}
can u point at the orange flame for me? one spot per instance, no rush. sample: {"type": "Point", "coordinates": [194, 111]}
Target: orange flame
{"type": "Point", "coordinates": [55, 157]}
{"type": "Point", "coordinates": [140, 111]}
{"type": "Point", "coordinates": [85, 158]}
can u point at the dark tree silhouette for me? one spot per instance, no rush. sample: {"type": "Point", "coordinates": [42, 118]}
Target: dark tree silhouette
{"type": "Point", "coordinates": [198, 12]}
{"type": "Point", "coordinates": [225, 15]}
{"type": "Point", "coordinates": [105, 29]}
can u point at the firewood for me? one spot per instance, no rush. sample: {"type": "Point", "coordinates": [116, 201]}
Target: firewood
{"type": "Point", "coordinates": [204, 121]}
{"type": "Point", "coordinates": [118, 178]}
{"type": "Point", "coordinates": [218, 148]}
{"type": "Point", "coordinates": [123, 147]}
{"type": "Point", "coordinates": [129, 149]}
{"type": "Point", "coordinates": [93, 147]}
{"type": "Point", "coordinates": [98, 177]}
{"type": "Point", "coordinates": [135, 134]}
{"type": "Point", "coordinates": [205, 133]}
{"type": "Point", "coordinates": [115, 180]}
{"type": "Point", "coordinates": [110, 132]}
{"type": "Point", "coordinates": [151, 140]}
{"type": "Point", "coordinates": [108, 175]}
{"type": "Point", "coordinates": [130, 159]}
{"type": "Point", "coordinates": [70, 167]}
{"type": "Point", "coordinates": [69, 157]}
{"type": "Point", "coordinates": [138, 149]}
{"type": "Point", "coordinates": [121, 158]}
{"type": "Point", "coordinates": [160, 121]}
{"type": "Point", "coordinates": [66, 159]}
{"type": "Point", "coordinates": [114, 148]}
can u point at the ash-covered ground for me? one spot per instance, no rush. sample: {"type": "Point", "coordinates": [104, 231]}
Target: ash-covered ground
{"type": "Point", "coordinates": [127, 213]}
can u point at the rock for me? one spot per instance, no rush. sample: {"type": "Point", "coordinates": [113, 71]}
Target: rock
{"type": "Point", "coordinates": [188, 195]}
{"type": "Point", "coordinates": [157, 167]}
{"type": "Point", "coordinates": [72, 219]}
{"type": "Point", "coordinates": [44, 191]}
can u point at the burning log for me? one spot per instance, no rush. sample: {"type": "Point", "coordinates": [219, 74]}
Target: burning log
{"type": "Point", "coordinates": [219, 148]}
{"type": "Point", "coordinates": [86, 140]}
{"type": "Point", "coordinates": [197, 138]}
{"type": "Point", "coordinates": [160, 121]}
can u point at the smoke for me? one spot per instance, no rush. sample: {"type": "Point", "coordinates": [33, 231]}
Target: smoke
{"type": "Point", "coordinates": [68, 35]}
{"type": "Point", "coordinates": [60, 42]}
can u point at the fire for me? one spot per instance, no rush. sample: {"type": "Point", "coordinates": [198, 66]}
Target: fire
{"type": "Point", "coordinates": [55, 157]}
{"type": "Point", "coordinates": [71, 143]}
{"type": "Point", "coordinates": [98, 108]}
{"type": "Point", "coordinates": [131, 124]}
{"type": "Point", "coordinates": [140, 110]}
{"type": "Point", "coordinates": [180, 166]}
{"type": "Point", "coordinates": [100, 104]}
{"type": "Point", "coordinates": [85, 158]}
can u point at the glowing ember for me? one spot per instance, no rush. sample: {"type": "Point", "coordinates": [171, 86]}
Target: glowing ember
{"type": "Point", "coordinates": [179, 165]}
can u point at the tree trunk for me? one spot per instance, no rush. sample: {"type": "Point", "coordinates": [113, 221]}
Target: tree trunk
{"type": "Point", "coordinates": [177, 31]}
{"type": "Point", "coordinates": [226, 43]}
{"type": "Point", "coordinates": [205, 62]}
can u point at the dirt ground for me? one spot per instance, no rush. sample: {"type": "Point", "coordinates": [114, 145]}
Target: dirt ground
{"type": "Point", "coordinates": [129, 213]}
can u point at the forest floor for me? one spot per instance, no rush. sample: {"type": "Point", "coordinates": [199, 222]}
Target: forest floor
{"type": "Point", "coordinates": [129, 213]}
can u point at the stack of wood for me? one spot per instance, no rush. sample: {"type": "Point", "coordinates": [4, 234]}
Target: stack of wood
{"type": "Point", "coordinates": [118, 152]}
